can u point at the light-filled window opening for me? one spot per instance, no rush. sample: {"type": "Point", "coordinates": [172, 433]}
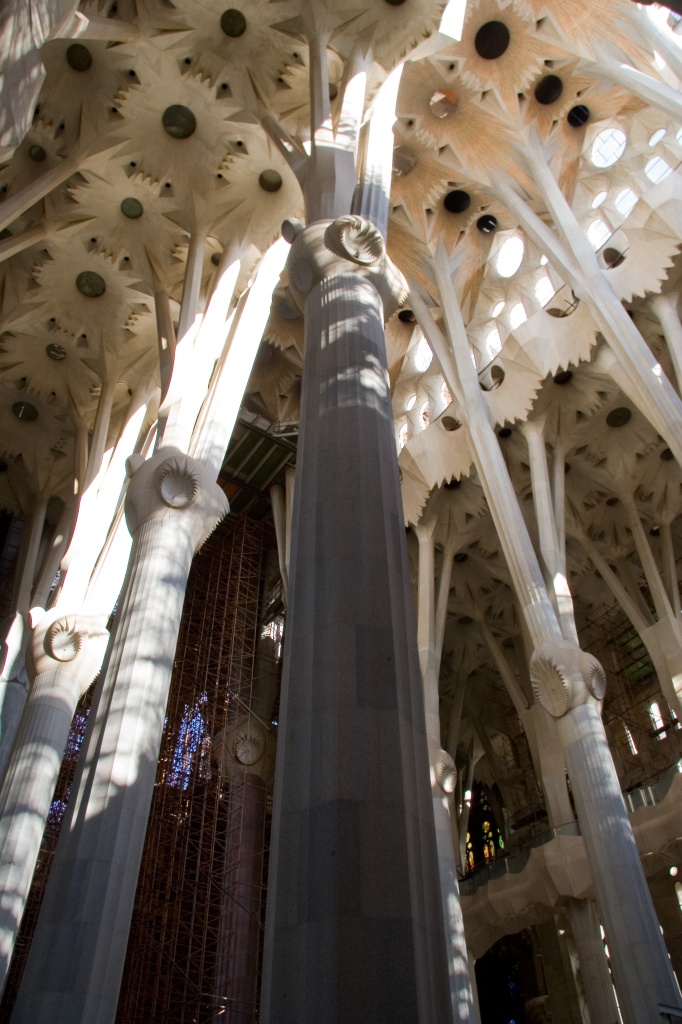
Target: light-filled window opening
{"type": "Point", "coordinates": [608, 147]}
{"type": "Point", "coordinates": [598, 233]}
{"type": "Point", "coordinates": [599, 199]}
{"type": "Point", "coordinates": [498, 307]}
{"type": "Point", "coordinates": [630, 739]}
{"type": "Point", "coordinates": [493, 343]}
{"type": "Point", "coordinates": [657, 719]}
{"type": "Point", "coordinates": [544, 290]}
{"type": "Point", "coordinates": [402, 436]}
{"type": "Point", "coordinates": [424, 413]}
{"type": "Point", "coordinates": [517, 315]}
{"type": "Point", "coordinates": [626, 201]}
{"type": "Point", "coordinates": [656, 137]}
{"type": "Point", "coordinates": [657, 169]}
{"type": "Point", "coordinates": [678, 893]}
{"type": "Point", "coordinates": [423, 355]}
{"type": "Point", "coordinates": [510, 256]}
{"type": "Point", "coordinates": [543, 260]}
{"type": "Point", "coordinates": [410, 402]}
{"type": "Point", "coordinates": [445, 393]}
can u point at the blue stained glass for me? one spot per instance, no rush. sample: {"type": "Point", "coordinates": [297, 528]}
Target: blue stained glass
{"type": "Point", "coordinates": [189, 739]}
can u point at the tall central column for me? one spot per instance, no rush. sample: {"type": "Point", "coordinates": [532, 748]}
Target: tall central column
{"type": "Point", "coordinates": [354, 930]}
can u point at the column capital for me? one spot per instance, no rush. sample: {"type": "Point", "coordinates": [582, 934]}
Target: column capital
{"type": "Point", "coordinates": [564, 677]}
{"type": "Point", "coordinates": [172, 483]}
{"type": "Point", "coordinates": [349, 244]}
{"type": "Point", "coordinates": [73, 642]}
{"type": "Point", "coordinates": [245, 745]}
{"type": "Point", "coordinates": [443, 771]}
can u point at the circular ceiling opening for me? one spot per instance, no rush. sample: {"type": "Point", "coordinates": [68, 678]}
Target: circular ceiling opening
{"type": "Point", "coordinates": [510, 256]}
{"type": "Point", "coordinates": [406, 316]}
{"type": "Point", "coordinates": [460, 557]}
{"type": "Point", "coordinates": [132, 208]}
{"type": "Point", "coordinates": [619, 417]}
{"type": "Point", "coordinates": [90, 284]}
{"type": "Point", "coordinates": [608, 147]}
{"type": "Point", "coordinates": [79, 57]}
{"type": "Point", "coordinates": [504, 432]}
{"type": "Point", "coordinates": [667, 455]}
{"type": "Point", "coordinates": [56, 352]}
{"type": "Point", "coordinates": [549, 89]}
{"type": "Point", "coordinates": [450, 423]}
{"type": "Point", "coordinates": [233, 23]}
{"type": "Point", "coordinates": [465, 620]}
{"type": "Point", "coordinates": [457, 201]}
{"type": "Point", "coordinates": [492, 40]}
{"type": "Point", "coordinates": [563, 376]}
{"type": "Point", "coordinates": [179, 121]}
{"type": "Point", "coordinates": [487, 223]}
{"type": "Point", "coordinates": [578, 116]}
{"type": "Point", "coordinates": [25, 412]}
{"type": "Point", "coordinates": [613, 257]}
{"type": "Point", "coordinates": [37, 153]}
{"type": "Point", "coordinates": [270, 181]}
{"type": "Point", "coordinates": [443, 103]}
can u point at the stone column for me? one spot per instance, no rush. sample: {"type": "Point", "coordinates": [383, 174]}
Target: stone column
{"type": "Point", "coordinates": [354, 929]}
{"type": "Point", "coordinates": [650, 90]}
{"type": "Point", "coordinates": [639, 375]}
{"type": "Point", "coordinates": [562, 994]}
{"type": "Point", "coordinates": [594, 967]}
{"type": "Point", "coordinates": [65, 656]}
{"type": "Point", "coordinates": [76, 961]}
{"type": "Point", "coordinates": [246, 758]}
{"type": "Point", "coordinates": [16, 631]}
{"type": "Point", "coordinates": [570, 684]}
{"type": "Point", "coordinates": [665, 308]}
{"type": "Point", "coordinates": [443, 773]}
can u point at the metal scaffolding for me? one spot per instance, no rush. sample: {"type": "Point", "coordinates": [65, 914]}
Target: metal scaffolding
{"type": "Point", "coordinates": [202, 881]}
{"type": "Point", "coordinates": [643, 749]}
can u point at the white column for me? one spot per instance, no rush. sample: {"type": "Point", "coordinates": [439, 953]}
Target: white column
{"type": "Point", "coordinates": [570, 684]}
{"type": "Point", "coordinates": [670, 568]}
{"type": "Point", "coordinates": [652, 91]}
{"type": "Point", "coordinates": [641, 376]}
{"type": "Point", "coordinates": [76, 960]}
{"type": "Point", "coordinates": [665, 308]}
{"type": "Point", "coordinates": [66, 654]}
{"type": "Point", "coordinates": [443, 775]}
{"type": "Point", "coordinates": [13, 680]}
{"type": "Point", "coordinates": [549, 538]}
{"type": "Point", "coordinates": [594, 967]}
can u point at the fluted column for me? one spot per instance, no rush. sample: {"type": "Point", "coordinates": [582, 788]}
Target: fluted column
{"type": "Point", "coordinates": [65, 656]}
{"type": "Point", "coordinates": [594, 968]}
{"type": "Point", "coordinates": [16, 631]}
{"type": "Point", "coordinates": [570, 685]}
{"type": "Point", "coordinates": [354, 929]}
{"type": "Point", "coordinates": [74, 969]}
{"type": "Point", "coordinates": [443, 773]}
